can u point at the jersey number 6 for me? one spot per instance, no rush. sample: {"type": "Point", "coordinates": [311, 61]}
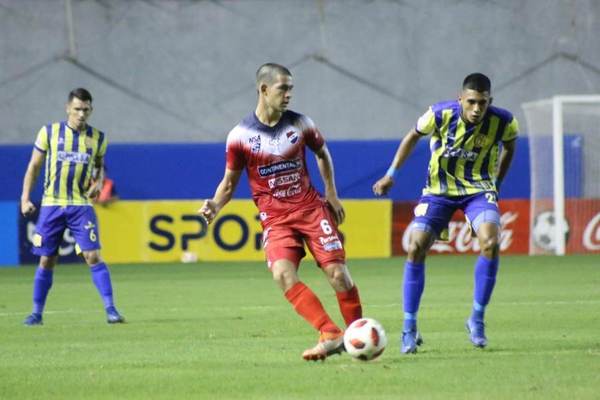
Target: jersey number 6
{"type": "Point", "coordinates": [326, 227]}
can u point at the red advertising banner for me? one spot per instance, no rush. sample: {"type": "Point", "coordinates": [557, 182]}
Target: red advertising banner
{"type": "Point", "coordinates": [513, 240]}
{"type": "Point", "coordinates": [583, 229]}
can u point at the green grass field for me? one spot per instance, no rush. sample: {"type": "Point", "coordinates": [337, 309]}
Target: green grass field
{"type": "Point", "coordinates": [224, 331]}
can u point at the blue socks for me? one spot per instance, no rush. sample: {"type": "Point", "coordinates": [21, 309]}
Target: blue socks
{"type": "Point", "coordinates": [485, 280]}
{"type": "Point", "coordinates": [101, 278]}
{"type": "Point", "coordinates": [42, 282]}
{"type": "Point", "coordinates": [414, 282]}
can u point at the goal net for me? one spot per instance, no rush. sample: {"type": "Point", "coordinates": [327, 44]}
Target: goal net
{"type": "Point", "coordinates": [564, 151]}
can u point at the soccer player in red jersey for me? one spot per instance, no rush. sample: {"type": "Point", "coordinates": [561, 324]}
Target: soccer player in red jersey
{"type": "Point", "coordinates": [271, 145]}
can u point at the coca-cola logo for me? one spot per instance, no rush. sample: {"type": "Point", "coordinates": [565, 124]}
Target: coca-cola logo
{"type": "Point", "coordinates": [461, 241]}
{"type": "Point", "coordinates": [591, 234]}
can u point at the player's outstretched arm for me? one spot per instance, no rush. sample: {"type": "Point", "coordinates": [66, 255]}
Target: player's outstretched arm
{"type": "Point", "coordinates": [385, 183]}
{"type": "Point", "coordinates": [508, 152]}
{"type": "Point", "coordinates": [325, 164]}
{"type": "Point", "coordinates": [211, 207]}
{"type": "Point", "coordinates": [33, 170]}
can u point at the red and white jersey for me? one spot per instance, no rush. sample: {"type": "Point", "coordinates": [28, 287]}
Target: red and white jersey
{"type": "Point", "coordinates": [274, 158]}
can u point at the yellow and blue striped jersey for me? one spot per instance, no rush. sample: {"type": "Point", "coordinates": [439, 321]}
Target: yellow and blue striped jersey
{"type": "Point", "coordinates": [464, 157]}
{"type": "Point", "coordinates": [70, 157]}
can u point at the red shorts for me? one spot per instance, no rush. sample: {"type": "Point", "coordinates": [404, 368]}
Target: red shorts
{"type": "Point", "coordinates": [284, 236]}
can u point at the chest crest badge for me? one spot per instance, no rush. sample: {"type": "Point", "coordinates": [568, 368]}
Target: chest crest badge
{"type": "Point", "coordinates": [89, 142]}
{"type": "Point", "coordinates": [480, 140]}
{"type": "Point", "coordinates": [292, 136]}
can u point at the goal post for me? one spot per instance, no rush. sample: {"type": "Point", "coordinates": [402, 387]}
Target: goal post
{"type": "Point", "coordinates": [564, 150]}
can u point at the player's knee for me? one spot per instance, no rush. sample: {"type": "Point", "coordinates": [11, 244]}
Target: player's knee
{"type": "Point", "coordinates": [91, 257]}
{"type": "Point", "coordinates": [339, 277]}
{"type": "Point", "coordinates": [489, 245]}
{"type": "Point", "coordinates": [417, 250]}
{"type": "Point", "coordinates": [47, 262]}
{"type": "Point", "coordinates": [278, 276]}
{"type": "Point", "coordinates": [285, 278]}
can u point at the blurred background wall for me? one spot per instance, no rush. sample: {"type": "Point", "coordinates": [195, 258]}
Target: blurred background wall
{"type": "Point", "coordinates": [181, 71]}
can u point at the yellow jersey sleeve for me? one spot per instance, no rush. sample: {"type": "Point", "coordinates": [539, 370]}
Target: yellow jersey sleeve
{"type": "Point", "coordinates": [511, 131]}
{"type": "Point", "coordinates": [41, 142]}
{"type": "Point", "coordinates": [102, 149]}
{"type": "Point", "coordinates": [426, 123]}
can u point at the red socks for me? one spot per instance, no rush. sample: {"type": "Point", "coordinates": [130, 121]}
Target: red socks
{"type": "Point", "coordinates": [307, 304]}
{"type": "Point", "coordinates": [350, 305]}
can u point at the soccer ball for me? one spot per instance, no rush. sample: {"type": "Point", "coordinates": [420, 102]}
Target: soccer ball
{"type": "Point", "coordinates": [365, 339]}
{"type": "Point", "coordinates": [544, 225]}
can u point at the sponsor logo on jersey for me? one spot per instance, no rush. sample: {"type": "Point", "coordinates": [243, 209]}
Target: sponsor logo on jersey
{"type": "Point", "coordinates": [288, 192]}
{"type": "Point", "coordinates": [284, 180]}
{"type": "Point", "coordinates": [282, 166]}
{"type": "Point", "coordinates": [328, 239]}
{"type": "Point", "coordinates": [292, 136]}
{"type": "Point", "coordinates": [331, 243]}
{"type": "Point", "coordinates": [460, 153]}
{"type": "Point", "coordinates": [254, 143]}
{"type": "Point", "coordinates": [78, 158]}
{"type": "Point", "coordinates": [274, 141]}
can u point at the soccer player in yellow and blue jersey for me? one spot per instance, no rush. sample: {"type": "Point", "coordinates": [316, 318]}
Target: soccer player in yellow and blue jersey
{"type": "Point", "coordinates": [472, 144]}
{"type": "Point", "coordinates": [73, 154]}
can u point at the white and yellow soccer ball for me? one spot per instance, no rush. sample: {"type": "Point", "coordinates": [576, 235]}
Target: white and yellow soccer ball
{"type": "Point", "coordinates": [365, 339]}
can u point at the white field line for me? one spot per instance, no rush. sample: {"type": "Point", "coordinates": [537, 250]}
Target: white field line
{"type": "Point", "coordinates": [24, 313]}
{"type": "Point", "coordinates": [285, 306]}
{"type": "Point", "coordinates": [509, 303]}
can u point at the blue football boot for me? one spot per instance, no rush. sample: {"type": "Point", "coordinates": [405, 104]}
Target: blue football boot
{"type": "Point", "coordinates": [476, 331]}
{"type": "Point", "coordinates": [410, 341]}
{"type": "Point", "coordinates": [33, 319]}
{"type": "Point", "coordinates": [113, 316]}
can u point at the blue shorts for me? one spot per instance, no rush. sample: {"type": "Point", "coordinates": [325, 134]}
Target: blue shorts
{"type": "Point", "coordinates": [51, 225]}
{"type": "Point", "coordinates": [433, 213]}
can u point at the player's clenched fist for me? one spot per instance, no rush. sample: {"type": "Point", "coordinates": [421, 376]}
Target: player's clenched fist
{"type": "Point", "coordinates": [208, 210]}
{"type": "Point", "coordinates": [383, 185]}
{"type": "Point", "coordinates": [27, 208]}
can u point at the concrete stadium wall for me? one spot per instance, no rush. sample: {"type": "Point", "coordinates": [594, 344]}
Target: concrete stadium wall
{"type": "Point", "coordinates": [168, 71]}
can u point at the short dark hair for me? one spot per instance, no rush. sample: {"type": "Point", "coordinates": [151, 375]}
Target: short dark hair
{"type": "Point", "coordinates": [81, 93]}
{"type": "Point", "coordinates": [478, 82]}
{"type": "Point", "coordinates": [267, 72]}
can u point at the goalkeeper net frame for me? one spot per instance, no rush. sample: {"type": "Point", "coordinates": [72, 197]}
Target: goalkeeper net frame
{"type": "Point", "coordinates": [564, 154]}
